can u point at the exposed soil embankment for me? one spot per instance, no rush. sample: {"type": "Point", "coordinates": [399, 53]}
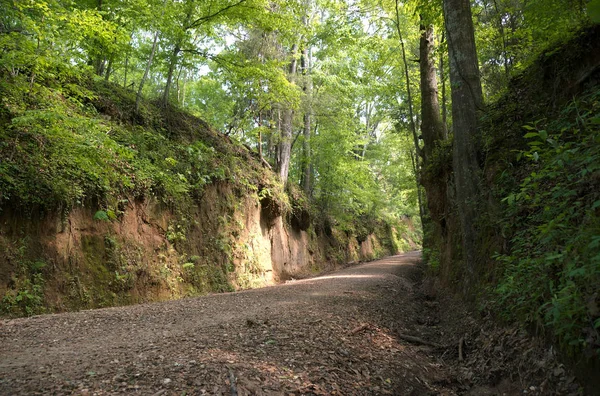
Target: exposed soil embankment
{"type": "Point", "coordinates": [149, 253]}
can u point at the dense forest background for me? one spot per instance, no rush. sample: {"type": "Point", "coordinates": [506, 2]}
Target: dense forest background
{"type": "Point", "coordinates": [354, 105]}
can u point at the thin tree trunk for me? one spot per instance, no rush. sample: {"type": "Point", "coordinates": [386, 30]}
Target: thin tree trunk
{"type": "Point", "coordinates": [183, 90]}
{"type": "Point", "coordinates": [111, 58]}
{"type": "Point", "coordinates": [99, 62]}
{"type": "Point", "coordinates": [272, 147]}
{"type": "Point", "coordinates": [175, 58]}
{"type": "Point", "coordinates": [172, 65]}
{"type": "Point", "coordinates": [414, 159]}
{"type": "Point", "coordinates": [146, 72]}
{"type": "Point", "coordinates": [305, 65]}
{"type": "Point", "coordinates": [504, 42]}
{"type": "Point", "coordinates": [109, 68]}
{"type": "Point", "coordinates": [368, 110]}
{"type": "Point", "coordinates": [408, 91]}
{"type": "Point", "coordinates": [306, 178]}
{"type": "Point", "coordinates": [467, 99]}
{"type": "Point", "coordinates": [315, 130]}
{"type": "Point", "coordinates": [284, 151]}
{"type": "Point", "coordinates": [127, 60]}
{"type": "Point", "coordinates": [260, 124]}
{"type": "Point", "coordinates": [126, 70]}
{"type": "Point", "coordinates": [444, 96]}
{"type": "Point", "coordinates": [177, 85]}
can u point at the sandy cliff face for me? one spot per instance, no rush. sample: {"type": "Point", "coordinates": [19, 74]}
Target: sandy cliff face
{"type": "Point", "coordinates": [150, 252]}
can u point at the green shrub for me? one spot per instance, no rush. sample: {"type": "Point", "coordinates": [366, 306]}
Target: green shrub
{"type": "Point", "coordinates": [550, 275]}
{"type": "Point", "coordinates": [26, 299]}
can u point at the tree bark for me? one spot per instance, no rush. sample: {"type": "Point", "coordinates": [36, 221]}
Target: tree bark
{"type": "Point", "coordinates": [368, 111]}
{"type": "Point", "coordinates": [275, 133]}
{"type": "Point", "coordinates": [181, 91]}
{"type": "Point", "coordinates": [126, 70]}
{"type": "Point", "coordinates": [127, 60]}
{"type": "Point", "coordinates": [467, 99]}
{"type": "Point", "coordinates": [504, 41]}
{"type": "Point", "coordinates": [260, 124]}
{"type": "Point", "coordinates": [433, 130]}
{"type": "Point", "coordinates": [108, 71]}
{"type": "Point", "coordinates": [414, 159]}
{"type": "Point", "coordinates": [432, 127]}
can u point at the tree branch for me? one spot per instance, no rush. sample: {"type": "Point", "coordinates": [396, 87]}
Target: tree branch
{"type": "Point", "coordinates": [203, 19]}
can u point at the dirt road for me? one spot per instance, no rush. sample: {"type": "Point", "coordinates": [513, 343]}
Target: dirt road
{"type": "Point", "coordinates": [335, 333]}
{"type": "Point", "coordinates": [346, 333]}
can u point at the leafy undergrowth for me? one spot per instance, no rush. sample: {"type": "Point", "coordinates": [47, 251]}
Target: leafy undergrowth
{"type": "Point", "coordinates": [540, 230]}
{"type": "Point", "coordinates": [67, 138]}
{"type": "Point", "coordinates": [550, 274]}
{"type": "Point", "coordinates": [493, 359]}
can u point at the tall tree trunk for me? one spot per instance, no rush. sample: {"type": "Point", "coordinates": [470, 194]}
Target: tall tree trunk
{"type": "Point", "coordinates": [111, 58]}
{"type": "Point", "coordinates": [467, 99]}
{"type": "Point", "coordinates": [306, 168]}
{"type": "Point", "coordinates": [444, 96]}
{"type": "Point", "coordinates": [183, 86]}
{"type": "Point", "coordinates": [414, 159]}
{"type": "Point", "coordinates": [174, 58]}
{"type": "Point", "coordinates": [368, 112]}
{"type": "Point", "coordinates": [408, 90]}
{"type": "Point", "coordinates": [306, 173]}
{"type": "Point", "coordinates": [504, 41]}
{"type": "Point", "coordinates": [284, 151]}
{"type": "Point", "coordinates": [109, 68]}
{"type": "Point", "coordinates": [146, 72]}
{"type": "Point", "coordinates": [99, 62]}
{"type": "Point", "coordinates": [126, 70]}
{"type": "Point", "coordinates": [275, 132]}
{"type": "Point", "coordinates": [306, 179]}
{"type": "Point", "coordinates": [433, 130]}
{"type": "Point", "coordinates": [432, 127]}
{"type": "Point", "coordinates": [127, 60]}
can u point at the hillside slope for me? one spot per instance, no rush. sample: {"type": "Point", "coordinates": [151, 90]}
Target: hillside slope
{"type": "Point", "coordinates": [102, 206]}
{"type": "Point", "coordinates": [540, 225]}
